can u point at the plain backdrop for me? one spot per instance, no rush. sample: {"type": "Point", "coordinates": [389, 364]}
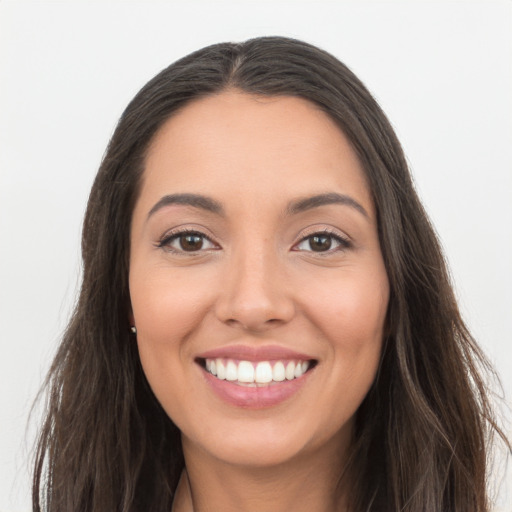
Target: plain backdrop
{"type": "Point", "coordinates": [442, 71]}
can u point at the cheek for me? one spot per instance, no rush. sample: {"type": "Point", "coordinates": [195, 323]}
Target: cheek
{"type": "Point", "coordinates": [166, 311]}
{"type": "Point", "coordinates": [351, 311]}
{"type": "Point", "coordinates": [351, 317]}
{"type": "Point", "coordinates": [167, 306]}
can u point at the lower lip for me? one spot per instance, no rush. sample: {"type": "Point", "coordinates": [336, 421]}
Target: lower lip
{"type": "Point", "coordinates": [255, 397]}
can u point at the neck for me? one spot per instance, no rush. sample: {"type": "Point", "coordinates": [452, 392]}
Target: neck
{"type": "Point", "coordinates": [303, 484]}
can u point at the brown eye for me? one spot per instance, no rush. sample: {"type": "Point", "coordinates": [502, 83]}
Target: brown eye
{"type": "Point", "coordinates": [319, 243]}
{"type": "Point", "coordinates": [187, 241]}
{"type": "Point", "coordinates": [322, 242]}
{"type": "Point", "coordinates": [191, 242]}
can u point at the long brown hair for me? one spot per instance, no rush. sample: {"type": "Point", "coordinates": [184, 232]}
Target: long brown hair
{"type": "Point", "coordinates": [422, 432]}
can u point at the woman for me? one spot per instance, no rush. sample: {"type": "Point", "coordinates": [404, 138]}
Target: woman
{"type": "Point", "coordinates": [266, 321]}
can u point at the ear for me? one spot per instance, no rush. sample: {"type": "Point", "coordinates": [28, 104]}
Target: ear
{"type": "Point", "coordinates": [131, 323]}
{"type": "Point", "coordinates": [131, 318]}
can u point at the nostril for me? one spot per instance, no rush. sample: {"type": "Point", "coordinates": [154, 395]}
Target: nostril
{"type": "Point", "coordinates": [254, 324]}
{"type": "Point", "coordinates": [254, 304]}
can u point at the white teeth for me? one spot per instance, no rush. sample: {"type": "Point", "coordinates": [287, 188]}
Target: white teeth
{"type": "Point", "coordinates": [231, 371]}
{"type": "Point", "coordinates": [263, 373]}
{"type": "Point", "coordinates": [221, 370]}
{"type": "Point", "coordinates": [290, 371]}
{"type": "Point", "coordinates": [247, 372]}
{"type": "Point", "coordinates": [278, 372]}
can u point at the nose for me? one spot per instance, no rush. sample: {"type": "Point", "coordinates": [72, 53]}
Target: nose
{"type": "Point", "coordinates": [254, 293]}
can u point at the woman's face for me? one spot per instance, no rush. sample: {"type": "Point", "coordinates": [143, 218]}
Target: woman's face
{"type": "Point", "coordinates": [257, 283]}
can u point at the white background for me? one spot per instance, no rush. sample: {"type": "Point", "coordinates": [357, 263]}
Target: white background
{"type": "Point", "coordinates": [441, 70]}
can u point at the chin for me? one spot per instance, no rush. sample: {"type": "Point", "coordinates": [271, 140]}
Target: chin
{"type": "Point", "coordinates": [257, 455]}
{"type": "Point", "coordinates": [265, 446]}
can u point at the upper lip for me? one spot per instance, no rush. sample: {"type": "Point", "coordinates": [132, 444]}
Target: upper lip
{"type": "Point", "coordinates": [252, 353]}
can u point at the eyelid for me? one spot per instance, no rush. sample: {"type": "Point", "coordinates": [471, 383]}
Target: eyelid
{"type": "Point", "coordinates": [172, 234]}
{"type": "Point", "coordinates": [343, 240]}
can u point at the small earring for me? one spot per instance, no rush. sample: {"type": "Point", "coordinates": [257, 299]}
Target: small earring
{"type": "Point", "coordinates": [133, 329]}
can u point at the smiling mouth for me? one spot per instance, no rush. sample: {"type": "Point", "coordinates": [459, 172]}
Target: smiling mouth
{"type": "Point", "coordinates": [256, 373]}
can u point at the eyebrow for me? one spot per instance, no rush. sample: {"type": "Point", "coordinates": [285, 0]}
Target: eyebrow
{"type": "Point", "coordinates": [307, 203]}
{"type": "Point", "coordinates": [194, 200]}
{"type": "Point", "coordinates": [297, 206]}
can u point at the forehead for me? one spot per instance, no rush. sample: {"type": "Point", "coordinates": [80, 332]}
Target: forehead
{"type": "Point", "coordinates": [232, 143]}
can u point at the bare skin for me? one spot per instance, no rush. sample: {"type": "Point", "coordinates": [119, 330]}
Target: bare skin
{"type": "Point", "coordinates": [272, 491]}
{"type": "Point", "coordinates": [299, 485]}
{"type": "Point", "coordinates": [277, 250]}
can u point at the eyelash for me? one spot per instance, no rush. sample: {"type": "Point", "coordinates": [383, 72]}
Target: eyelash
{"type": "Point", "coordinates": [168, 238]}
{"type": "Point", "coordinates": [343, 242]}
{"type": "Point", "coordinates": [164, 243]}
